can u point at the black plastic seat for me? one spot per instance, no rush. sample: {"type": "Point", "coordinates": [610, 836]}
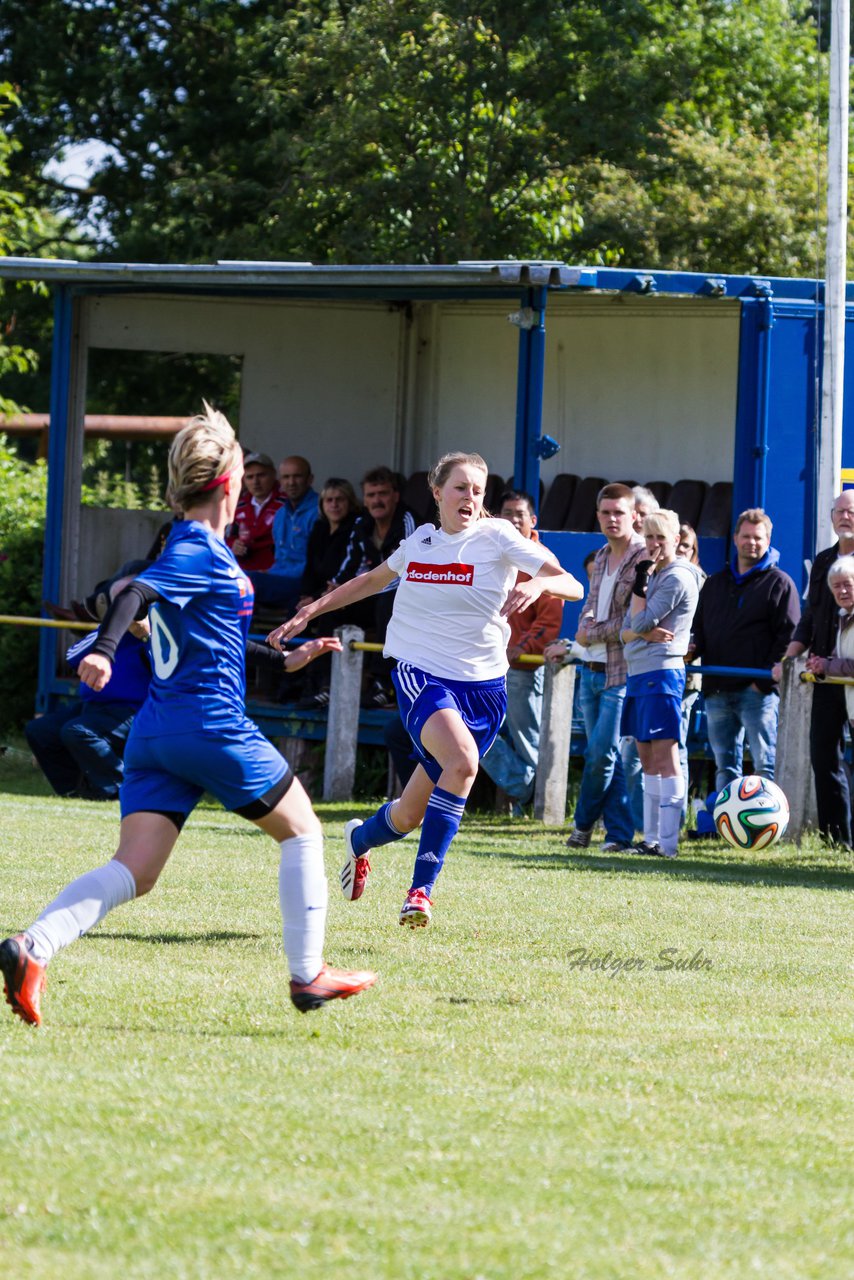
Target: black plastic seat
{"type": "Point", "coordinates": [716, 516]}
{"type": "Point", "coordinates": [660, 489]}
{"type": "Point", "coordinates": [495, 486]}
{"type": "Point", "coordinates": [581, 517]}
{"type": "Point", "coordinates": [555, 507]}
{"type": "Point", "coordinates": [417, 496]}
{"type": "Point", "coordinates": [686, 499]}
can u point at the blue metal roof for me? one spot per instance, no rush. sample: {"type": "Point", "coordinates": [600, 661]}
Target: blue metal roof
{"type": "Point", "coordinates": [389, 280]}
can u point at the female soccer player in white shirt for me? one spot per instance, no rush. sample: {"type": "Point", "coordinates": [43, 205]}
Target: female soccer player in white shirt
{"type": "Point", "coordinates": [449, 636]}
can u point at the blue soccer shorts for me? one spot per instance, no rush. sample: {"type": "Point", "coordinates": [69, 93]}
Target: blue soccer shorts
{"type": "Point", "coordinates": [482, 704]}
{"type": "Point", "coordinates": [652, 710]}
{"type": "Point", "coordinates": [168, 774]}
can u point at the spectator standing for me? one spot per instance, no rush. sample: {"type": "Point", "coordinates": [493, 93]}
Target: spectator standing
{"type": "Point", "coordinates": [602, 685]}
{"type": "Point", "coordinates": [251, 536]}
{"type": "Point", "coordinates": [817, 632]}
{"type": "Point", "coordinates": [79, 747]}
{"type": "Point", "coordinates": [656, 634]}
{"type": "Point", "coordinates": [378, 532]}
{"type": "Point", "coordinates": [840, 580]}
{"type": "Point", "coordinates": [279, 586]}
{"type": "Point", "coordinates": [689, 549]}
{"type": "Point", "coordinates": [645, 504]}
{"type": "Point", "coordinates": [746, 617]}
{"type": "Point", "coordinates": [511, 761]}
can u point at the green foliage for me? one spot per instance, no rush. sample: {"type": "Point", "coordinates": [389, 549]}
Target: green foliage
{"type": "Point", "coordinates": [612, 130]}
{"type": "Point", "coordinates": [23, 493]}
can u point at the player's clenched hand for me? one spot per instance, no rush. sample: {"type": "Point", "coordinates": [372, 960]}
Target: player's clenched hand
{"type": "Point", "coordinates": [292, 627]}
{"type": "Point", "coordinates": [522, 595]}
{"type": "Point", "coordinates": [95, 670]}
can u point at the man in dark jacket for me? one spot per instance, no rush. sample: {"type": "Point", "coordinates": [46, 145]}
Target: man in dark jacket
{"type": "Point", "coordinates": [745, 618]}
{"type": "Point", "coordinates": [817, 632]}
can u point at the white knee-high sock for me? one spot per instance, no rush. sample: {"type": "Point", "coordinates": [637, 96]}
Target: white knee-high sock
{"type": "Point", "coordinates": [80, 906]}
{"type": "Point", "coordinates": [672, 795]}
{"type": "Point", "coordinates": [651, 807]}
{"type": "Point", "coordinates": [302, 897]}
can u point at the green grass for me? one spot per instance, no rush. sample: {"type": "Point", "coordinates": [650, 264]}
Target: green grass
{"type": "Point", "coordinates": [487, 1110]}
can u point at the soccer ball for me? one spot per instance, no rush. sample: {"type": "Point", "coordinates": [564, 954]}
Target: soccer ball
{"type": "Point", "coordinates": [751, 813]}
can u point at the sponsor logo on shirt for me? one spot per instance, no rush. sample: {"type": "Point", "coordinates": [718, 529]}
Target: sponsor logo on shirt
{"type": "Point", "coordinates": [427, 542]}
{"type": "Point", "coordinates": [461, 575]}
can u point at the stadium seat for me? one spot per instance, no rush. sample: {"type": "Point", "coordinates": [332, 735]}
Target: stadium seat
{"type": "Point", "coordinates": [581, 517]}
{"type": "Point", "coordinates": [417, 496]}
{"type": "Point", "coordinates": [661, 490]}
{"type": "Point", "coordinates": [511, 484]}
{"type": "Point", "coordinates": [495, 486]}
{"type": "Point", "coordinates": [555, 507]}
{"type": "Point", "coordinates": [686, 499]}
{"type": "Point", "coordinates": [716, 516]}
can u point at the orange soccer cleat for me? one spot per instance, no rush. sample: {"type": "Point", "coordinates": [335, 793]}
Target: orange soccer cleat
{"type": "Point", "coordinates": [330, 984]}
{"type": "Point", "coordinates": [23, 979]}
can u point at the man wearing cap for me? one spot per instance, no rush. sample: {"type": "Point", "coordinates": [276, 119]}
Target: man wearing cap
{"type": "Point", "coordinates": [251, 536]}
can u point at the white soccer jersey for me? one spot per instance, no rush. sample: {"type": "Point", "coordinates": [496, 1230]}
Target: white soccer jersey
{"type": "Point", "coordinates": [452, 586]}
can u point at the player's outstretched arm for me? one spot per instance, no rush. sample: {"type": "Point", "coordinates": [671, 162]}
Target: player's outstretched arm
{"type": "Point", "coordinates": [551, 578]}
{"type": "Point", "coordinates": [295, 659]}
{"type": "Point", "coordinates": [367, 584]}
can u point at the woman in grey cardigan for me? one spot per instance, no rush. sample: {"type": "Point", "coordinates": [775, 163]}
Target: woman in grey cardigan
{"type": "Point", "coordinates": [656, 633]}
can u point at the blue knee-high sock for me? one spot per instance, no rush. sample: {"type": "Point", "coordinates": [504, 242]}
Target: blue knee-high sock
{"type": "Point", "coordinates": [441, 823]}
{"type": "Point", "coordinates": [375, 831]}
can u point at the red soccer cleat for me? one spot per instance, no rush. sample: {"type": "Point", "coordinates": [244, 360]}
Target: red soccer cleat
{"type": "Point", "coordinates": [330, 984]}
{"type": "Point", "coordinates": [23, 979]}
{"type": "Point", "coordinates": [354, 873]}
{"type": "Point", "coordinates": [416, 909]}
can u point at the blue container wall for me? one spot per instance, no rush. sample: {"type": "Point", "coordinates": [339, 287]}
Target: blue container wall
{"type": "Point", "coordinates": [774, 465]}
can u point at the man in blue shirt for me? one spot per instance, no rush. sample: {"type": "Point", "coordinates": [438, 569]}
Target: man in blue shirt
{"type": "Point", "coordinates": [279, 586]}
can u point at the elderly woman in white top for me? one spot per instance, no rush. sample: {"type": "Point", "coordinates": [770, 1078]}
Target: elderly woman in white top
{"type": "Point", "coordinates": [840, 579]}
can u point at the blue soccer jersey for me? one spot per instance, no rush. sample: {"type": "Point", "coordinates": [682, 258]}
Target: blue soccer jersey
{"type": "Point", "coordinates": [199, 629]}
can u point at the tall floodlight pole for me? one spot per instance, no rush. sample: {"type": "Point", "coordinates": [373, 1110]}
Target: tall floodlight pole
{"type": "Point", "coordinates": [833, 368]}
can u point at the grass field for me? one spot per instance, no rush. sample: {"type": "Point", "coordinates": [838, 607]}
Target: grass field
{"type": "Point", "coordinates": [496, 1107]}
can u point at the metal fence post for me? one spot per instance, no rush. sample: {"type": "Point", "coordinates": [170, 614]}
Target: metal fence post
{"type": "Point", "coordinates": [342, 727]}
{"type": "Point", "coordinates": [792, 770]}
{"type": "Point", "coordinates": [555, 736]}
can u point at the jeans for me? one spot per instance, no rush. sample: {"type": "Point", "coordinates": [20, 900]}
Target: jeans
{"type": "Point", "coordinates": [603, 783]}
{"type": "Point", "coordinates": [511, 761]}
{"type": "Point", "coordinates": [688, 700]}
{"type": "Point", "coordinates": [634, 779]}
{"type": "Point", "coordinates": [729, 718]}
{"type": "Point", "coordinates": [79, 748]}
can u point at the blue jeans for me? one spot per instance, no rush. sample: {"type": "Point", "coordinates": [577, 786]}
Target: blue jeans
{"type": "Point", "coordinates": [80, 747]}
{"type": "Point", "coordinates": [732, 716]}
{"type": "Point", "coordinates": [634, 779]}
{"type": "Point", "coordinates": [603, 783]}
{"type": "Point", "coordinates": [511, 761]}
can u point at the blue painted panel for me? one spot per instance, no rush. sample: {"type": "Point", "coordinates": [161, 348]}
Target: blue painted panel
{"type": "Point", "coordinates": [776, 468]}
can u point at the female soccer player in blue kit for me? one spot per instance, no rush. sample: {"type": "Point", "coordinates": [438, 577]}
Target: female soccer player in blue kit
{"type": "Point", "coordinates": [449, 637]}
{"type": "Point", "coordinates": [192, 735]}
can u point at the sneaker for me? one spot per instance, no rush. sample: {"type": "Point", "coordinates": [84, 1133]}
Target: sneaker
{"type": "Point", "coordinates": [330, 984]}
{"type": "Point", "coordinates": [23, 979]}
{"type": "Point", "coordinates": [651, 848]}
{"type": "Point", "coordinates": [354, 873]}
{"type": "Point", "coordinates": [616, 846]}
{"type": "Point", "coordinates": [416, 909]}
{"type": "Point", "coordinates": [578, 839]}
{"type": "Point", "coordinates": [376, 696]}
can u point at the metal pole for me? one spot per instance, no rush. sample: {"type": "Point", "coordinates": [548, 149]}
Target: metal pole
{"type": "Point", "coordinates": [833, 365]}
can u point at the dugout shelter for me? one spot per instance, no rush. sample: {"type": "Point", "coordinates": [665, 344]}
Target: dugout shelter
{"type": "Point", "coordinates": [703, 386]}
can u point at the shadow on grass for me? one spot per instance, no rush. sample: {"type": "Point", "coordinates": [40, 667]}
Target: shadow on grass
{"type": "Point", "coordinates": [775, 875]}
{"type": "Point", "coordinates": [213, 935]}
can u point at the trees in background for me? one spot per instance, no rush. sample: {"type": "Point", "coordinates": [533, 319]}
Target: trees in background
{"type": "Point", "coordinates": [660, 133]}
